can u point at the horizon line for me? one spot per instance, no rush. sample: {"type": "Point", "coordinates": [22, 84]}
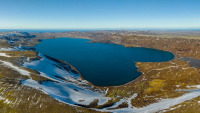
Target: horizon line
{"type": "Point", "coordinates": [127, 29]}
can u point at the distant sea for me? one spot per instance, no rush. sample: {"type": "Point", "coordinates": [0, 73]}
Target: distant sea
{"type": "Point", "coordinates": [65, 30]}
{"type": "Point", "coordinates": [39, 30]}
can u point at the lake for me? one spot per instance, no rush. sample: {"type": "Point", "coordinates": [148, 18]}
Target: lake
{"type": "Point", "coordinates": [99, 63]}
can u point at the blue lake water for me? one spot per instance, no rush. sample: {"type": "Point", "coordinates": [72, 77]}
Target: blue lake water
{"type": "Point", "coordinates": [101, 64]}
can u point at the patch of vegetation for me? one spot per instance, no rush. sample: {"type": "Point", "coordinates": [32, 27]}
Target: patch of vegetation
{"type": "Point", "coordinates": [28, 54]}
{"type": "Point", "coordinates": [155, 85]}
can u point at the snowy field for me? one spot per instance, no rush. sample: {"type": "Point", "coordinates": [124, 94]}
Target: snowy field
{"type": "Point", "coordinates": [64, 89]}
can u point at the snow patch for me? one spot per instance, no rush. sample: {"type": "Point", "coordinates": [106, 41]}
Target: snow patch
{"type": "Point", "coordinates": [4, 55]}
{"type": "Point", "coordinates": [67, 93]}
{"type": "Point", "coordinates": [194, 86]}
{"type": "Point", "coordinates": [161, 105]}
{"type": "Point", "coordinates": [8, 49]}
{"type": "Point", "coordinates": [67, 87]}
{"type": "Point", "coordinates": [21, 71]}
{"type": "Point", "coordinates": [52, 70]}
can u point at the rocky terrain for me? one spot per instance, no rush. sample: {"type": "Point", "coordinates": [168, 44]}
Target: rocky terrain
{"type": "Point", "coordinates": [171, 86]}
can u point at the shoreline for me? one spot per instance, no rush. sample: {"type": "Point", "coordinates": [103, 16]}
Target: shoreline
{"type": "Point", "coordinates": [91, 41]}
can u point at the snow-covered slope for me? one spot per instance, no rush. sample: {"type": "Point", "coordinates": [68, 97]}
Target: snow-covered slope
{"type": "Point", "coordinates": [66, 88]}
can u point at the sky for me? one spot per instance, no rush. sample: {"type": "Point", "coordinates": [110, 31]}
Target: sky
{"type": "Point", "coordinates": [99, 14]}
